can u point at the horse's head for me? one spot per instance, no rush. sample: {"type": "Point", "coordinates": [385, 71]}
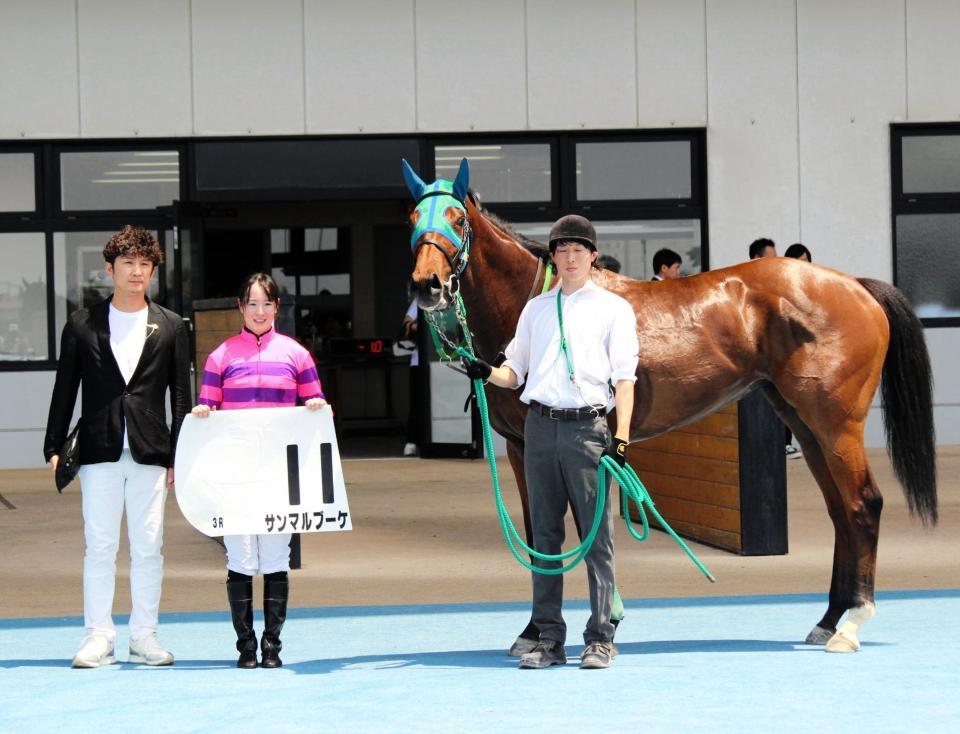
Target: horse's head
{"type": "Point", "coordinates": [440, 236]}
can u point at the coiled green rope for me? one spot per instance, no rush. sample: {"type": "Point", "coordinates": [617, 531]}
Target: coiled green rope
{"type": "Point", "coordinates": [631, 488]}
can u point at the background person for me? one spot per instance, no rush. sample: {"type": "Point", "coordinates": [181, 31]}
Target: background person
{"type": "Point", "coordinates": [799, 251]}
{"type": "Point", "coordinates": [666, 265]}
{"type": "Point", "coordinates": [762, 247]}
{"type": "Point", "coordinates": [414, 428]}
{"type": "Point", "coordinates": [258, 368]}
{"type": "Point", "coordinates": [609, 262]}
{"type": "Point", "coordinates": [126, 352]}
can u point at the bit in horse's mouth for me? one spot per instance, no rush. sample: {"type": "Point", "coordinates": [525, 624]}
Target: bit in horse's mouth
{"type": "Point", "coordinates": [441, 302]}
{"type": "Point", "coordinates": [432, 295]}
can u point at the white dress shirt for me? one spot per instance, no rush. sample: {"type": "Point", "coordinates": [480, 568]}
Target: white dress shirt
{"type": "Point", "coordinates": [601, 331]}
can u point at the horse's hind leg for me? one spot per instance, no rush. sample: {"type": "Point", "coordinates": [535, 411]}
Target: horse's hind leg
{"type": "Point", "coordinates": [855, 531]}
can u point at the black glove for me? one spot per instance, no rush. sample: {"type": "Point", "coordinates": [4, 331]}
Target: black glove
{"type": "Point", "coordinates": [477, 369]}
{"type": "Point", "coordinates": [617, 450]}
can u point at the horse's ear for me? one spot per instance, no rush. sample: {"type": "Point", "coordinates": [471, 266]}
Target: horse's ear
{"type": "Point", "coordinates": [462, 181]}
{"type": "Point", "coordinates": [414, 183]}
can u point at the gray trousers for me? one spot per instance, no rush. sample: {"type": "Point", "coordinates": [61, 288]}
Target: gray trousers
{"type": "Point", "coordinates": [560, 466]}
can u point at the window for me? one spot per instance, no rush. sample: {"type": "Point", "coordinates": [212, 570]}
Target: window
{"type": "Point", "coordinates": [926, 219]}
{"type": "Point", "coordinates": [23, 296]}
{"type": "Point", "coordinates": [643, 191]}
{"type": "Point", "coordinates": [633, 243]}
{"type": "Point", "coordinates": [320, 240]}
{"type": "Point", "coordinates": [634, 170]}
{"type": "Point", "coordinates": [931, 164]}
{"type": "Point", "coordinates": [18, 188]}
{"type": "Point", "coordinates": [127, 179]}
{"type": "Point", "coordinates": [928, 263]}
{"type": "Point", "coordinates": [506, 173]}
{"type": "Point", "coordinates": [79, 276]}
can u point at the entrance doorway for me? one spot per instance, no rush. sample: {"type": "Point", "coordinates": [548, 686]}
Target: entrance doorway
{"type": "Point", "coordinates": [342, 269]}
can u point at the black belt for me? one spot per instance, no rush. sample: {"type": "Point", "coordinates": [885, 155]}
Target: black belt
{"type": "Point", "coordinates": [567, 414]}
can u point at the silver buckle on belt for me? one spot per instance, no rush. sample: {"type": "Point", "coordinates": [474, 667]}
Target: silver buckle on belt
{"type": "Point", "coordinates": [557, 410]}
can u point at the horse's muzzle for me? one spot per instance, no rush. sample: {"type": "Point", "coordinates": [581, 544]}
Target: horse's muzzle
{"type": "Point", "coordinates": [431, 294]}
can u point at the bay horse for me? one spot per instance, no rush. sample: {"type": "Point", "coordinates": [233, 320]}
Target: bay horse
{"type": "Point", "coordinates": [816, 341]}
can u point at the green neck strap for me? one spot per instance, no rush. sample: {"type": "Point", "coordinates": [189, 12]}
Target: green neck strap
{"type": "Point", "coordinates": [563, 340]}
{"type": "Point", "coordinates": [547, 279]}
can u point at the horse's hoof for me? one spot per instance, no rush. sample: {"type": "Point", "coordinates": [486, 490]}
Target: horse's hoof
{"type": "Point", "coordinates": [521, 646]}
{"type": "Point", "coordinates": [842, 642]}
{"type": "Point", "coordinates": [819, 636]}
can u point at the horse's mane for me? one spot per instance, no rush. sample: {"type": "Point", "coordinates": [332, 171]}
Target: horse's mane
{"type": "Point", "coordinates": [535, 248]}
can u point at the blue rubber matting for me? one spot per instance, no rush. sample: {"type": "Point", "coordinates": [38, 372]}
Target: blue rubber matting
{"type": "Point", "coordinates": [685, 665]}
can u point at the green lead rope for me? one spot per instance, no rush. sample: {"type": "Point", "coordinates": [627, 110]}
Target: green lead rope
{"type": "Point", "coordinates": [631, 488]}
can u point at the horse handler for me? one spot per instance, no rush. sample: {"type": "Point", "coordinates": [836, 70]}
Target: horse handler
{"type": "Point", "coordinates": [571, 345]}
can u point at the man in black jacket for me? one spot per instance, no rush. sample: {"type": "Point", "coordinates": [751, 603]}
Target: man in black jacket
{"type": "Point", "coordinates": [127, 352]}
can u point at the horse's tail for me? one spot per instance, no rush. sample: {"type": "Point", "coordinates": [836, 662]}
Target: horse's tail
{"type": "Point", "coordinates": [907, 392]}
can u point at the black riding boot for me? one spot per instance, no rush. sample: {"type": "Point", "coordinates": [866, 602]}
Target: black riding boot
{"type": "Point", "coordinates": [240, 594]}
{"type": "Point", "coordinates": [276, 590]}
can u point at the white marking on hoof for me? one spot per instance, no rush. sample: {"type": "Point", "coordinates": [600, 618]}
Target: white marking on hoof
{"type": "Point", "coordinates": [843, 641]}
{"type": "Point", "coordinates": [846, 639]}
{"type": "Point", "coordinates": [818, 636]}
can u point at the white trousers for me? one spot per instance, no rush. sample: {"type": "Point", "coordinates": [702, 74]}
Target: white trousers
{"type": "Point", "coordinates": [248, 554]}
{"type": "Point", "coordinates": [107, 489]}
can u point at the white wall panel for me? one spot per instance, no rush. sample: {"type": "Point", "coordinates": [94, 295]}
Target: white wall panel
{"type": "Point", "coordinates": [944, 346]}
{"type": "Point", "coordinates": [945, 361]}
{"type": "Point", "coordinates": [23, 420]}
{"type": "Point", "coordinates": [475, 84]}
{"type": "Point", "coordinates": [752, 133]}
{"type": "Point", "coordinates": [359, 66]}
{"type": "Point", "coordinates": [933, 57]}
{"type": "Point", "coordinates": [22, 450]}
{"type": "Point", "coordinates": [135, 68]}
{"type": "Point", "coordinates": [946, 418]}
{"type": "Point", "coordinates": [671, 63]}
{"type": "Point", "coordinates": [851, 87]}
{"type": "Point", "coordinates": [38, 69]}
{"type": "Point", "coordinates": [247, 67]}
{"type": "Point", "coordinates": [581, 64]}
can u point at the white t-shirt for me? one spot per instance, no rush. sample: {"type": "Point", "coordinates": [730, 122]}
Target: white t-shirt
{"type": "Point", "coordinates": [601, 331]}
{"type": "Point", "coordinates": [128, 331]}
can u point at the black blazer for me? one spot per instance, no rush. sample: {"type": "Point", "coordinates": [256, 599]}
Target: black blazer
{"type": "Point", "coordinates": [109, 403]}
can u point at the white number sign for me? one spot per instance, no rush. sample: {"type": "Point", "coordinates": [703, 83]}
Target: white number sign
{"type": "Point", "coordinates": [264, 470]}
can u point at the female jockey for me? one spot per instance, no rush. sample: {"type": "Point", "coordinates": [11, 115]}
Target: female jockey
{"type": "Point", "coordinates": [258, 368]}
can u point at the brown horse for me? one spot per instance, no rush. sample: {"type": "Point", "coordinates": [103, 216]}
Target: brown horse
{"type": "Point", "coordinates": [814, 340]}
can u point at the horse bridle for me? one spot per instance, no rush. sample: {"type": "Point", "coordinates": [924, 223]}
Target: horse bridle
{"type": "Point", "coordinates": [459, 261]}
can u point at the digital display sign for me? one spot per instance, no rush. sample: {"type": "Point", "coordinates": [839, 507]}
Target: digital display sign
{"type": "Point", "coordinates": [373, 347]}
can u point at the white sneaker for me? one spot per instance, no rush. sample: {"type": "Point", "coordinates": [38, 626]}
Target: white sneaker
{"type": "Point", "coordinates": [95, 651]}
{"type": "Point", "coordinates": [147, 651]}
{"type": "Point", "coordinates": [410, 449]}
{"type": "Point", "coordinates": [793, 452]}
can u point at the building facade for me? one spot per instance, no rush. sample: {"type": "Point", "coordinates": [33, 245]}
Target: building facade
{"type": "Point", "coordinates": [706, 123]}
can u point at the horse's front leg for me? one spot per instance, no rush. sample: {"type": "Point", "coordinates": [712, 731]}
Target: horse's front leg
{"type": "Point", "coordinates": [530, 635]}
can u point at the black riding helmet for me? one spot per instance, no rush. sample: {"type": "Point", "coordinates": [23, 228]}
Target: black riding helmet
{"type": "Point", "coordinates": [573, 227]}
